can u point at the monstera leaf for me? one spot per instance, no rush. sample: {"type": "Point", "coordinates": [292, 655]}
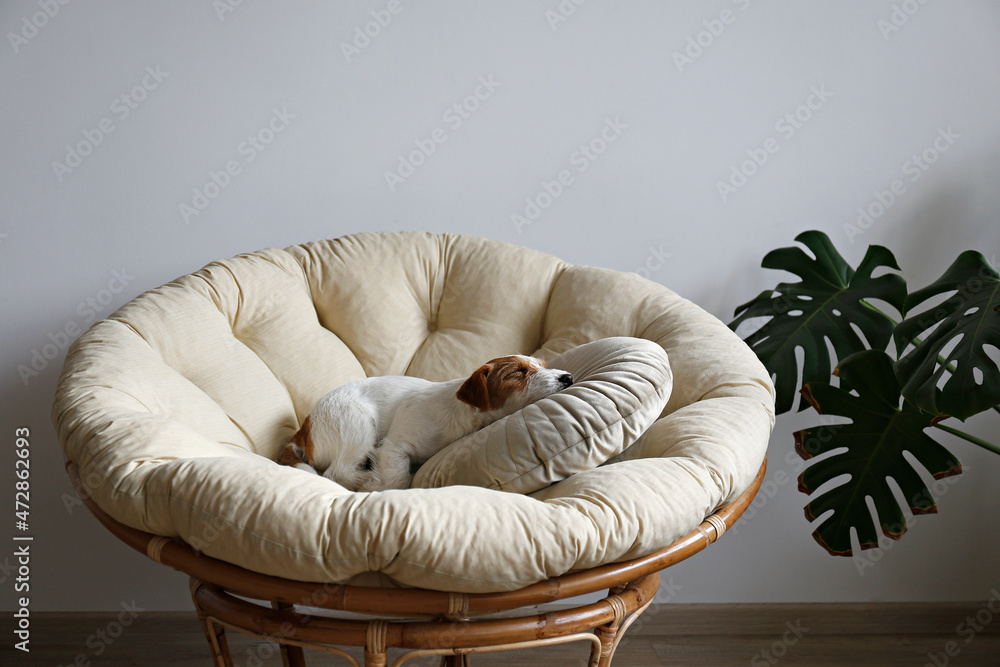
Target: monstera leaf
{"type": "Point", "coordinates": [823, 306]}
{"type": "Point", "coordinates": [972, 315]}
{"type": "Point", "coordinates": [881, 429]}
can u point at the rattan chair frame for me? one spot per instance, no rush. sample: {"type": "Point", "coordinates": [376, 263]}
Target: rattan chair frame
{"type": "Point", "coordinates": [424, 622]}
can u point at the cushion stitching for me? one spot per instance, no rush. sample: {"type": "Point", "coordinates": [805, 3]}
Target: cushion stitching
{"type": "Point", "coordinates": [435, 317]}
{"type": "Point", "coordinates": [242, 529]}
{"type": "Point", "coordinates": [193, 384]}
{"type": "Point", "coordinates": [314, 557]}
{"type": "Point", "coordinates": [563, 269]}
{"type": "Point", "coordinates": [236, 315]}
{"type": "Point", "coordinates": [620, 419]}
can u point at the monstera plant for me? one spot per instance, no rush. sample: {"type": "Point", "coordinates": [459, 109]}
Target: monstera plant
{"type": "Point", "coordinates": [898, 378]}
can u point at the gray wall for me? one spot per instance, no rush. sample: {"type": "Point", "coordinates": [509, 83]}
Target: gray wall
{"type": "Point", "coordinates": [80, 234]}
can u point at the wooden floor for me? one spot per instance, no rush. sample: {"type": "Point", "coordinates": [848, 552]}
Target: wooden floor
{"type": "Point", "coordinates": [704, 635]}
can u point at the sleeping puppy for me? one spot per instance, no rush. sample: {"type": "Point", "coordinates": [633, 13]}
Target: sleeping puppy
{"type": "Point", "coordinates": [366, 434]}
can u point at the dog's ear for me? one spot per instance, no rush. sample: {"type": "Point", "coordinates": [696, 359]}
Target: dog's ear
{"type": "Point", "coordinates": [475, 391]}
{"type": "Point", "coordinates": [300, 448]}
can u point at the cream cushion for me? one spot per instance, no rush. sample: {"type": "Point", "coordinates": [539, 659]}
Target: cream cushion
{"type": "Point", "coordinates": [176, 407]}
{"type": "Point", "coordinates": [622, 385]}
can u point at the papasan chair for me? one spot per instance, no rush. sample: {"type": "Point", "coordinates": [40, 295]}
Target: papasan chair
{"type": "Point", "coordinates": [173, 411]}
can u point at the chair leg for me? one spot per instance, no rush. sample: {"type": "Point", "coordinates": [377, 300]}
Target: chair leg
{"type": "Point", "coordinates": [291, 656]}
{"type": "Point", "coordinates": [216, 634]}
{"type": "Point", "coordinates": [376, 654]}
{"type": "Point", "coordinates": [608, 634]}
{"type": "Point", "coordinates": [375, 659]}
{"type": "Point", "coordinates": [611, 634]}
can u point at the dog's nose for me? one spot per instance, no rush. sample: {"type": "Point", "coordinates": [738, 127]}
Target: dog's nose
{"type": "Point", "coordinates": [565, 380]}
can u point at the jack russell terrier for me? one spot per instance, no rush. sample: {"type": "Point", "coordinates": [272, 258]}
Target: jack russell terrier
{"type": "Point", "coordinates": [365, 435]}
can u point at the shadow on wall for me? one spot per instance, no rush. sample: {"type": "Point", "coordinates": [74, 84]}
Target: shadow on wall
{"type": "Point", "coordinates": [928, 238]}
{"type": "Point", "coordinates": [927, 242]}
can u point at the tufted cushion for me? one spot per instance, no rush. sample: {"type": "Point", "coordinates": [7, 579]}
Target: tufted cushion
{"type": "Point", "coordinates": [622, 385]}
{"type": "Point", "coordinates": [177, 405]}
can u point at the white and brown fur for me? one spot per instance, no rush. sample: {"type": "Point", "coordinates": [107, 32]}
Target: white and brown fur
{"type": "Point", "coordinates": [366, 434]}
